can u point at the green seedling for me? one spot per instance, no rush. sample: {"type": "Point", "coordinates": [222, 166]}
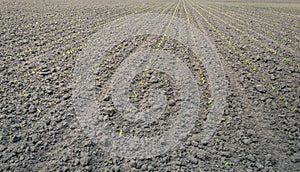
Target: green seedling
{"type": "Point", "coordinates": [121, 133]}
{"type": "Point", "coordinates": [226, 164]}
{"type": "Point", "coordinates": [209, 102]}
{"type": "Point", "coordinates": [110, 162]}
{"type": "Point", "coordinates": [281, 98]}
{"type": "Point", "coordinates": [21, 125]}
{"type": "Point", "coordinates": [273, 88]}
{"type": "Point", "coordinates": [61, 75]}
{"type": "Point", "coordinates": [135, 95]}
{"type": "Point", "coordinates": [286, 103]}
{"type": "Point", "coordinates": [113, 145]}
{"type": "Point", "coordinates": [254, 68]}
{"type": "Point", "coordinates": [115, 110]}
{"type": "Point", "coordinates": [293, 109]}
{"type": "Point", "coordinates": [39, 110]}
{"type": "Point", "coordinates": [50, 103]}
{"type": "Point", "coordinates": [142, 83]}
{"type": "Point", "coordinates": [248, 62]}
{"type": "Point", "coordinates": [264, 79]}
{"type": "Point", "coordinates": [286, 60]}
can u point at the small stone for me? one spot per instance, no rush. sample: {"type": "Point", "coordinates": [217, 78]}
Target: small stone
{"type": "Point", "coordinates": [105, 117]}
{"type": "Point", "coordinates": [226, 112]}
{"type": "Point", "coordinates": [201, 154]}
{"type": "Point", "coordinates": [16, 139]}
{"type": "Point", "coordinates": [260, 88]}
{"type": "Point", "coordinates": [259, 165]}
{"type": "Point", "coordinates": [246, 141]}
{"type": "Point", "coordinates": [172, 103]}
{"type": "Point", "coordinates": [85, 160]}
{"type": "Point", "coordinates": [106, 98]}
{"type": "Point", "coordinates": [263, 98]}
{"type": "Point", "coordinates": [193, 160]}
{"type": "Point", "coordinates": [66, 96]}
{"type": "Point", "coordinates": [251, 158]}
{"type": "Point", "coordinates": [116, 169]}
{"type": "Point", "coordinates": [153, 80]}
{"type": "Point", "coordinates": [133, 164]}
{"type": "Point", "coordinates": [296, 158]}
{"type": "Point", "coordinates": [2, 148]}
{"type": "Point", "coordinates": [225, 154]}
{"type": "Point", "coordinates": [76, 161]}
{"type": "Point", "coordinates": [150, 168]}
{"type": "Point", "coordinates": [144, 167]}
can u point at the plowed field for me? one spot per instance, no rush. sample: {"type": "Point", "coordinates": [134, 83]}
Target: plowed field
{"type": "Point", "coordinates": [140, 85]}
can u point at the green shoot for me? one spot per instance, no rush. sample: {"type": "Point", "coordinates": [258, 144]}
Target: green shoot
{"type": "Point", "coordinates": [135, 95]}
{"type": "Point", "coordinates": [110, 162]}
{"type": "Point", "coordinates": [203, 80]}
{"type": "Point", "coordinates": [209, 102]}
{"type": "Point", "coordinates": [286, 103]}
{"type": "Point", "coordinates": [39, 110]}
{"type": "Point", "coordinates": [226, 164]}
{"type": "Point", "coordinates": [281, 98]}
{"type": "Point", "coordinates": [61, 75]}
{"type": "Point", "coordinates": [113, 145]}
{"type": "Point", "coordinates": [293, 109]}
{"type": "Point", "coordinates": [121, 132]}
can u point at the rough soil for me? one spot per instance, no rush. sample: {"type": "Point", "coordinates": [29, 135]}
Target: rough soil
{"type": "Point", "coordinates": [259, 47]}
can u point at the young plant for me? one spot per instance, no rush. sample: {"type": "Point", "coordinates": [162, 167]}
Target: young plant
{"type": "Point", "coordinates": [226, 164]}
{"type": "Point", "coordinates": [39, 110]}
{"type": "Point", "coordinates": [135, 95]}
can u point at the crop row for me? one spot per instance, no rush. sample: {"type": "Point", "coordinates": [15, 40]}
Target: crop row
{"type": "Point", "coordinates": [246, 60]}
{"type": "Point", "coordinates": [39, 72]}
{"type": "Point", "coordinates": [62, 35]}
{"type": "Point", "coordinates": [282, 53]}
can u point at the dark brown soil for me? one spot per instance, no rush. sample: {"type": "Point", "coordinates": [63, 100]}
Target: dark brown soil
{"type": "Point", "coordinates": [258, 43]}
